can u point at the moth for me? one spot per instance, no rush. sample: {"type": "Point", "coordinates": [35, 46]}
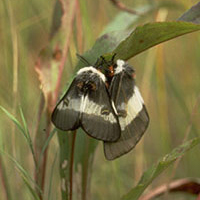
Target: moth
{"type": "Point", "coordinates": [87, 104]}
{"type": "Point", "coordinates": [104, 100]}
{"type": "Point", "coordinates": [131, 111]}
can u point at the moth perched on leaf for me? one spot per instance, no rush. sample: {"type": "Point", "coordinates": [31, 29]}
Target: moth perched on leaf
{"type": "Point", "coordinates": [131, 111]}
{"type": "Point", "coordinates": [87, 104]}
{"type": "Point", "coordinates": [107, 104]}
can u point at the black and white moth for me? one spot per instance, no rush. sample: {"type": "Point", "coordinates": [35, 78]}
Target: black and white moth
{"type": "Point", "coordinates": [131, 111]}
{"type": "Point", "coordinates": [87, 104]}
{"type": "Point", "coordinates": [107, 104]}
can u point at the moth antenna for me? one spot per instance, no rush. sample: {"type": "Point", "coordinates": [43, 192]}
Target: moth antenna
{"type": "Point", "coordinates": [83, 59]}
{"type": "Point", "coordinates": [113, 57]}
{"type": "Point", "coordinates": [104, 60]}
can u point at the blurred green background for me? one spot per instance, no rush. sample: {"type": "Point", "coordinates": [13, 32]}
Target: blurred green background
{"type": "Point", "coordinates": [168, 76]}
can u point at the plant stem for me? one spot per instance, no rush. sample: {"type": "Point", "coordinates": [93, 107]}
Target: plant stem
{"type": "Point", "coordinates": [85, 170]}
{"type": "Point", "coordinates": [65, 50]}
{"type": "Point", "coordinates": [71, 165]}
{"type": "Point", "coordinates": [43, 172]}
{"type": "Point", "coordinates": [4, 180]}
{"type": "Point", "coordinates": [122, 7]}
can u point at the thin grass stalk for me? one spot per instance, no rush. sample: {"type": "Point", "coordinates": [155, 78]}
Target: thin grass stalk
{"type": "Point", "coordinates": [87, 23]}
{"type": "Point", "coordinates": [44, 163]}
{"type": "Point", "coordinates": [51, 176]}
{"type": "Point", "coordinates": [37, 151]}
{"type": "Point", "coordinates": [145, 89]}
{"type": "Point", "coordinates": [187, 132]}
{"type": "Point", "coordinates": [85, 169]}
{"type": "Point", "coordinates": [148, 70]}
{"type": "Point", "coordinates": [124, 8]}
{"type": "Point", "coordinates": [28, 137]}
{"type": "Point", "coordinates": [161, 87]}
{"type": "Point", "coordinates": [79, 27]}
{"type": "Point", "coordinates": [65, 53]}
{"type": "Point", "coordinates": [40, 171]}
{"type": "Point", "coordinates": [14, 39]}
{"type": "Point", "coordinates": [71, 165]}
{"type": "Point", "coordinates": [4, 180]}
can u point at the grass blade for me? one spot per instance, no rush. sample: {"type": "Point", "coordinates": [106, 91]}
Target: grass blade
{"type": "Point", "coordinates": [51, 176]}
{"type": "Point", "coordinates": [24, 174]}
{"type": "Point", "coordinates": [29, 140]}
{"type": "Point", "coordinates": [4, 178]}
{"type": "Point", "coordinates": [158, 168]}
{"type": "Point", "coordinates": [52, 133]}
{"type": "Point", "coordinates": [17, 123]}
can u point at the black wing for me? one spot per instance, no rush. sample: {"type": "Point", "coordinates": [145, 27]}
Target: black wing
{"type": "Point", "coordinates": [66, 114]}
{"type": "Point", "coordinates": [132, 114]}
{"type": "Point", "coordinates": [98, 117]}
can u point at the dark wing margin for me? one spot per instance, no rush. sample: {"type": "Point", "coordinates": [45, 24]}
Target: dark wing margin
{"type": "Point", "coordinates": [132, 114]}
{"type": "Point", "coordinates": [98, 117]}
{"type": "Point", "coordinates": [129, 137]}
{"type": "Point", "coordinates": [66, 114]}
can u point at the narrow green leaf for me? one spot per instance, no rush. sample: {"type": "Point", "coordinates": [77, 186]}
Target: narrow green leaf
{"type": "Point", "coordinates": [19, 126]}
{"type": "Point", "coordinates": [151, 34]}
{"type": "Point", "coordinates": [24, 174]}
{"type": "Point", "coordinates": [31, 190]}
{"type": "Point", "coordinates": [52, 133]}
{"type": "Point", "coordinates": [51, 177]}
{"type": "Point", "coordinates": [84, 153]}
{"type": "Point", "coordinates": [158, 168]}
{"type": "Point", "coordinates": [5, 178]}
{"type": "Point", "coordinates": [24, 130]}
{"type": "Point", "coordinates": [29, 140]}
{"type": "Point", "coordinates": [192, 15]}
{"type": "Point", "coordinates": [24, 123]}
{"type": "Point", "coordinates": [64, 144]}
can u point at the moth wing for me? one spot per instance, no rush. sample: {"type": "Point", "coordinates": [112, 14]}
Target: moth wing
{"type": "Point", "coordinates": [132, 115]}
{"type": "Point", "coordinates": [98, 117]}
{"type": "Point", "coordinates": [66, 114]}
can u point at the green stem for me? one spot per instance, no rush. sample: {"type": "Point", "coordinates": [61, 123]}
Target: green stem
{"type": "Point", "coordinates": [71, 165]}
{"type": "Point", "coordinates": [4, 179]}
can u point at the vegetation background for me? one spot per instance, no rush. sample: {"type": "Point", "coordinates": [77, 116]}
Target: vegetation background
{"type": "Point", "coordinates": [168, 76]}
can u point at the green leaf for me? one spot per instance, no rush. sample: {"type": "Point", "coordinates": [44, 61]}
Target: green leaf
{"type": "Point", "coordinates": [25, 176]}
{"type": "Point", "coordinates": [5, 178]}
{"type": "Point", "coordinates": [149, 35]}
{"type": "Point", "coordinates": [51, 176]}
{"type": "Point", "coordinates": [24, 130]}
{"type": "Point", "coordinates": [192, 15]}
{"type": "Point", "coordinates": [16, 122]}
{"type": "Point", "coordinates": [84, 154]}
{"type": "Point", "coordinates": [159, 167]}
{"type": "Point", "coordinates": [29, 140]}
{"type": "Point", "coordinates": [83, 157]}
{"type": "Point", "coordinates": [52, 133]}
{"type": "Point", "coordinates": [64, 139]}
{"type": "Point", "coordinates": [105, 44]}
